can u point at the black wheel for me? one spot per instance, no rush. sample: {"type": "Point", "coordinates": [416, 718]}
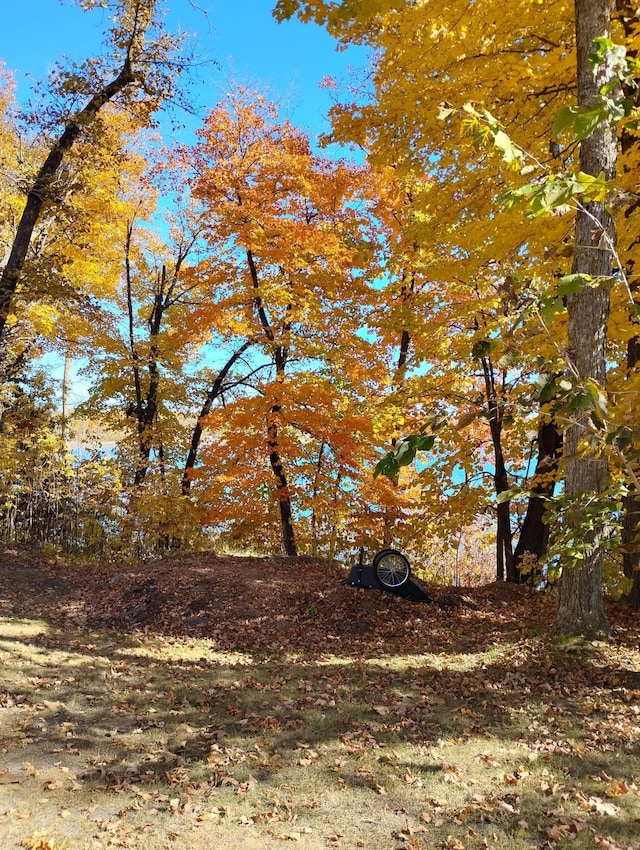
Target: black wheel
{"type": "Point", "coordinates": [392, 568]}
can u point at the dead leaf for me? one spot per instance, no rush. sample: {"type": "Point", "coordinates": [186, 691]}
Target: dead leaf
{"type": "Point", "coordinates": [38, 841]}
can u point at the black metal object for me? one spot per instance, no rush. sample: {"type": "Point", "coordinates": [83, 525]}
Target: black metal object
{"type": "Point", "coordinates": [390, 572]}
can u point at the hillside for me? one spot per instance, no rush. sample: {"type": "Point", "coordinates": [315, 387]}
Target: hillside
{"type": "Point", "coordinates": [264, 604]}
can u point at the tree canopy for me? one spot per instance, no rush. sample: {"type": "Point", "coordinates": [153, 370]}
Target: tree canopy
{"type": "Point", "coordinates": [431, 345]}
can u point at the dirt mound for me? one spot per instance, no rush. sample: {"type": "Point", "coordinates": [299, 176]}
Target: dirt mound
{"type": "Point", "coordinates": [267, 605]}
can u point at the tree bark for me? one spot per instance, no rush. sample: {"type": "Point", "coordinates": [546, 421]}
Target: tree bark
{"type": "Point", "coordinates": [504, 542]}
{"type": "Point", "coordinates": [212, 395]}
{"type": "Point", "coordinates": [282, 487]}
{"type": "Point", "coordinates": [580, 605]}
{"type": "Point", "coordinates": [42, 185]}
{"type": "Point", "coordinates": [534, 535]}
{"type": "Point", "coordinates": [280, 355]}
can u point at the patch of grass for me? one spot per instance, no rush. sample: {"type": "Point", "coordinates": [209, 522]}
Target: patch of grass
{"type": "Point", "coordinates": [151, 742]}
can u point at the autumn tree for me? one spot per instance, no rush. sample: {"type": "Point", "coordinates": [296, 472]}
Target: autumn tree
{"type": "Point", "coordinates": [444, 62]}
{"type": "Point", "coordinates": [48, 496]}
{"type": "Point", "coordinates": [629, 151]}
{"type": "Point", "coordinates": [424, 58]}
{"type": "Point", "coordinates": [133, 73]}
{"type": "Point", "coordinates": [140, 347]}
{"type": "Point", "coordinates": [288, 242]}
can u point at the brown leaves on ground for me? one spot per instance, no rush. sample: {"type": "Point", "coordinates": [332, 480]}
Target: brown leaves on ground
{"type": "Point", "coordinates": [268, 604]}
{"type": "Point", "coordinates": [210, 700]}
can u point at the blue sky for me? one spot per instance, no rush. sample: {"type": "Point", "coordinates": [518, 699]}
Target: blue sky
{"type": "Point", "coordinates": [289, 59]}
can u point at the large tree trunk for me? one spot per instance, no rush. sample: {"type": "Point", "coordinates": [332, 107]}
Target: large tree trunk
{"type": "Point", "coordinates": [534, 535]}
{"type": "Point", "coordinates": [580, 596]}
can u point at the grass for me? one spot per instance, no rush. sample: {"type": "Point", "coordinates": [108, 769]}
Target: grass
{"type": "Point", "coordinates": [150, 742]}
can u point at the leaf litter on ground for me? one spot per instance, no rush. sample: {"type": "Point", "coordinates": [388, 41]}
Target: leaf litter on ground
{"type": "Point", "coordinates": [208, 700]}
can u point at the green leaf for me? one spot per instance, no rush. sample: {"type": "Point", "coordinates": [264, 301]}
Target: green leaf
{"type": "Point", "coordinates": [572, 283]}
{"type": "Point", "coordinates": [482, 349]}
{"type": "Point", "coordinates": [425, 442]}
{"type": "Point", "coordinates": [405, 452]}
{"type": "Point", "coordinates": [557, 192]}
{"type": "Point", "coordinates": [609, 87]}
{"type": "Point", "coordinates": [588, 120]}
{"type": "Point", "coordinates": [594, 188]}
{"type": "Point", "coordinates": [388, 466]}
{"type": "Point", "coordinates": [621, 438]}
{"type": "Point", "coordinates": [548, 391]}
{"type": "Point", "coordinates": [507, 495]}
{"type": "Point", "coordinates": [603, 47]}
{"type": "Point", "coordinates": [580, 400]}
{"type": "Point", "coordinates": [550, 307]}
{"type": "Point", "coordinates": [564, 119]}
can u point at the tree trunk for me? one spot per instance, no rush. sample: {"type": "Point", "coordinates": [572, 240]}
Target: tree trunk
{"type": "Point", "coordinates": [282, 487]}
{"type": "Point", "coordinates": [212, 395]}
{"type": "Point", "coordinates": [504, 546]}
{"type": "Point", "coordinates": [580, 597]}
{"type": "Point", "coordinates": [40, 190]}
{"type": "Point", "coordinates": [534, 535]}
{"type": "Point", "coordinates": [147, 411]}
{"type": "Point", "coordinates": [280, 356]}
{"type": "Point", "coordinates": [631, 508]}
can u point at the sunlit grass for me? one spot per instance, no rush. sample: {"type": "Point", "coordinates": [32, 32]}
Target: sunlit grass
{"type": "Point", "coordinates": [153, 742]}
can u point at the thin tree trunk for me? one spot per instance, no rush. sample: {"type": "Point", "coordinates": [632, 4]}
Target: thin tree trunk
{"type": "Point", "coordinates": [280, 355]}
{"type": "Point", "coordinates": [504, 548]}
{"type": "Point", "coordinates": [282, 487]}
{"type": "Point", "coordinates": [580, 605]}
{"type": "Point", "coordinates": [534, 535]}
{"type": "Point", "coordinates": [148, 412]}
{"type": "Point", "coordinates": [212, 395]}
{"type": "Point", "coordinates": [40, 190]}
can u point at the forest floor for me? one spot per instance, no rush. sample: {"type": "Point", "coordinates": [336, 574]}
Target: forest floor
{"type": "Point", "coordinates": [244, 703]}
